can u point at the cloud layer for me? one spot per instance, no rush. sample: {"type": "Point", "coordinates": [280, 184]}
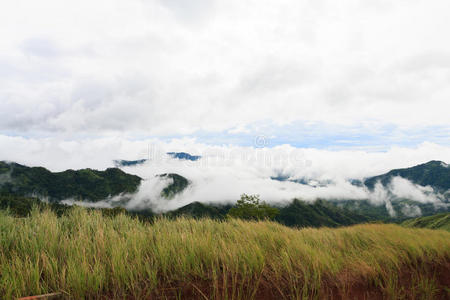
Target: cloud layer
{"type": "Point", "coordinates": [225, 172]}
{"type": "Point", "coordinates": [85, 82]}
{"type": "Point", "coordinates": [179, 67]}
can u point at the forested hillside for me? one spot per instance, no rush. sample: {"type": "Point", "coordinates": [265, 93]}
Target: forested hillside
{"type": "Point", "coordinates": [85, 184]}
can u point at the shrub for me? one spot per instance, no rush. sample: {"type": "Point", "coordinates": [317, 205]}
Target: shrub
{"type": "Point", "coordinates": [249, 207]}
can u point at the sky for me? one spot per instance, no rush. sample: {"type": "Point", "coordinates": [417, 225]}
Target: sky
{"type": "Point", "coordinates": [84, 82]}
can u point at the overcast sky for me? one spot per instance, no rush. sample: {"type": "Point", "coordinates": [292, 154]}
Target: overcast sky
{"type": "Point", "coordinates": [363, 75]}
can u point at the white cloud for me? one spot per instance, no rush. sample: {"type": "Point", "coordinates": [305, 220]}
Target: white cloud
{"type": "Point", "coordinates": [225, 172]}
{"type": "Point", "coordinates": [175, 67]}
{"type": "Point", "coordinates": [411, 210]}
{"type": "Point", "coordinates": [403, 188]}
{"type": "Point", "coordinates": [85, 82]}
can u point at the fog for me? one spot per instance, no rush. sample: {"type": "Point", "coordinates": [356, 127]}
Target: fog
{"type": "Point", "coordinates": [221, 177]}
{"type": "Point", "coordinates": [225, 172]}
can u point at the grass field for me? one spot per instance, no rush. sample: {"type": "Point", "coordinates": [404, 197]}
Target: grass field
{"type": "Point", "coordinates": [439, 221]}
{"type": "Point", "coordinates": [86, 255]}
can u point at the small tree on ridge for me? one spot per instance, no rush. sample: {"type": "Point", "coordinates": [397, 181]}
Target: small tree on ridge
{"type": "Point", "coordinates": [249, 207]}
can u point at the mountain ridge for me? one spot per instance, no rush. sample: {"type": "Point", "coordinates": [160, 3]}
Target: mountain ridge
{"type": "Point", "coordinates": [87, 184]}
{"type": "Point", "coordinates": [93, 185]}
{"type": "Point", "coordinates": [434, 173]}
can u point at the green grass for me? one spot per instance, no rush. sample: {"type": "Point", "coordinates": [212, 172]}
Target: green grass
{"type": "Point", "coordinates": [439, 221]}
{"type": "Point", "coordinates": [84, 254]}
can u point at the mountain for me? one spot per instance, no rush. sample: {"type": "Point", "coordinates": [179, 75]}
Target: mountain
{"type": "Point", "coordinates": [84, 184]}
{"type": "Point", "coordinates": [179, 184]}
{"type": "Point", "coordinates": [439, 221]}
{"type": "Point", "coordinates": [92, 185]}
{"type": "Point", "coordinates": [201, 210]}
{"type": "Point", "coordinates": [403, 208]}
{"type": "Point", "coordinates": [118, 163]}
{"type": "Point", "coordinates": [317, 214]}
{"type": "Point", "coordinates": [128, 163]}
{"type": "Point", "coordinates": [184, 156]}
{"type": "Point", "coordinates": [433, 173]}
{"type": "Point", "coordinates": [297, 214]}
{"type": "Point", "coordinates": [22, 206]}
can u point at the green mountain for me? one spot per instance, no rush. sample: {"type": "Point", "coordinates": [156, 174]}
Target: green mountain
{"type": "Point", "coordinates": [318, 213]}
{"type": "Point", "coordinates": [22, 207]}
{"type": "Point", "coordinates": [201, 210]}
{"type": "Point", "coordinates": [439, 221]}
{"type": "Point", "coordinates": [21, 185]}
{"type": "Point", "coordinates": [404, 208]}
{"type": "Point", "coordinates": [85, 184]}
{"type": "Point", "coordinates": [297, 214]}
{"type": "Point", "coordinates": [179, 184]}
{"type": "Point", "coordinates": [433, 173]}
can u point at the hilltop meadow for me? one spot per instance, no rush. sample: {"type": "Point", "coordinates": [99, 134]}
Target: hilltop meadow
{"type": "Point", "coordinates": [85, 254]}
{"type": "Point", "coordinates": [224, 150]}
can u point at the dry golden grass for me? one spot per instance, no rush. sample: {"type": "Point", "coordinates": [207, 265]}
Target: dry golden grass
{"type": "Point", "coordinates": [86, 255]}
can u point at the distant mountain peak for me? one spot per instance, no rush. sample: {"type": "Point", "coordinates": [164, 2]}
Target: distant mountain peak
{"type": "Point", "coordinates": [434, 163]}
{"type": "Point", "coordinates": [128, 163]}
{"type": "Point", "coordinates": [184, 156]}
{"type": "Point", "coordinates": [434, 173]}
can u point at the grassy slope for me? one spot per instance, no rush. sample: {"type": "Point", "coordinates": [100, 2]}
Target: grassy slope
{"type": "Point", "coordinates": [86, 254]}
{"type": "Point", "coordinates": [439, 221]}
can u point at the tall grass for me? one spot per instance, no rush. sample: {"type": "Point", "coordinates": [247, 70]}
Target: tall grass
{"type": "Point", "coordinates": [85, 255]}
{"type": "Point", "coordinates": [439, 221]}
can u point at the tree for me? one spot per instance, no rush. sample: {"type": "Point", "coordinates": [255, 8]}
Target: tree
{"type": "Point", "coordinates": [249, 207]}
